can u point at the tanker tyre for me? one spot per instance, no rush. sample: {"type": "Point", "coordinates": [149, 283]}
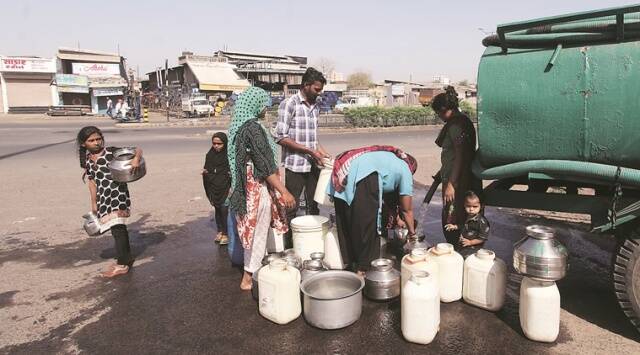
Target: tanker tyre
{"type": "Point", "coordinates": [626, 278]}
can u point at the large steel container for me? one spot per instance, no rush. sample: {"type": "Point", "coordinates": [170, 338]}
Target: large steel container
{"type": "Point", "coordinates": [582, 106]}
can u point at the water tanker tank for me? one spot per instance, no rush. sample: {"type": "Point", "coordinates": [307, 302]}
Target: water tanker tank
{"type": "Point", "coordinates": [576, 103]}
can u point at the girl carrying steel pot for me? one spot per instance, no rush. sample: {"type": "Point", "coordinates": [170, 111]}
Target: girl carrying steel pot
{"type": "Point", "coordinates": [110, 199]}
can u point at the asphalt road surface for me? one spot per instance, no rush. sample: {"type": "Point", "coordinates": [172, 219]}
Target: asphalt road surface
{"type": "Point", "coordinates": [183, 296]}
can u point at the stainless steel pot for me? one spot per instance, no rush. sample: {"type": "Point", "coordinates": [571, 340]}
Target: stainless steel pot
{"type": "Point", "coordinates": [91, 224]}
{"type": "Point", "coordinates": [292, 258]}
{"type": "Point", "coordinates": [539, 255]}
{"type": "Point", "coordinates": [120, 166]}
{"type": "Point", "coordinates": [382, 281]}
{"type": "Point", "coordinates": [414, 243]}
{"type": "Point", "coordinates": [319, 256]}
{"type": "Point", "coordinates": [311, 267]}
{"type": "Point", "coordinates": [332, 299]}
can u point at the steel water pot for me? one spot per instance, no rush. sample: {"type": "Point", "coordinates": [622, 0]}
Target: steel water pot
{"type": "Point", "coordinates": [120, 166]}
{"type": "Point", "coordinates": [414, 243]}
{"type": "Point", "coordinates": [292, 258]}
{"type": "Point", "coordinates": [91, 224]}
{"type": "Point", "coordinates": [382, 281]}
{"type": "Point", "coordinates": [540, 255]}
{"type": "Point", "coordinates": [319, 256]}
{"type": "Point", "coordinates": [310, 268]}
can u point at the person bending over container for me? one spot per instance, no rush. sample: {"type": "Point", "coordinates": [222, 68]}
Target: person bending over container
{"type": "Point", "coordinates": [475, 230]}
{"type": "Point", "coordinates": [110, 199]}
{"type": "Point", "coordinates": [258, 198]}
{"type": "Point", "coordinates": [364, 181]}
{"type": "Point", "coordinates": [217, 182]}
{"type": "Point", "coordinates": [458, 142]}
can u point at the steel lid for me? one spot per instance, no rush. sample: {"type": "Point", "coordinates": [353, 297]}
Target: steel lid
{"type": "Point", "coordinates": [540, 232]}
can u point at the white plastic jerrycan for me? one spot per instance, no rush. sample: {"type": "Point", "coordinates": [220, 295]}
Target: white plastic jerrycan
{"type": "Point", "coordinates": [332, 255]}
{"type": "Point", "coordinates": [279, 292]}
{"type": "Point", "coordinates": [485, 280]}
{"type": "Point", "coordinates": [418, 260]}
{"type": "Point", "coordinates": [450, 270]}
{"type": "Point", "coordinates": [420, 308]}
{"type": "Point", "coordinates": [539, 309]}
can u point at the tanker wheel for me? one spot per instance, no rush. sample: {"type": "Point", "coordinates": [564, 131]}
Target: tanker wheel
{"type": "Point", "coordinates": [626, 277]}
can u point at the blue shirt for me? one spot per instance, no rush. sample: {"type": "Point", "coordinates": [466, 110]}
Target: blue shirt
{"type": "Point", "coordinates": [393, 175]}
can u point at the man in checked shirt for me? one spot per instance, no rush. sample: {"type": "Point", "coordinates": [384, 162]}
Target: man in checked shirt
{"type": "Point", "coordinates": [296, 132]}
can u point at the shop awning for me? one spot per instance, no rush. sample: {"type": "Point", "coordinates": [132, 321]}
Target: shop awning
{"type": "Point", "coordinates": [217, 76]}
{"type": "Point", "coordinates": [88, 55]}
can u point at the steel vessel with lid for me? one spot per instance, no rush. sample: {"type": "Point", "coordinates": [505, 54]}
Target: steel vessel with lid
{"type": "Point", "coordinates": [382, 281]}
{"type": "Point", "coordinates": [540, 255]}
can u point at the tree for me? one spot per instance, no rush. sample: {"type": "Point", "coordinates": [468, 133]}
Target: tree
{"type": "Point", "coordinates": [464, 82]}
{"type": "Point", "coordinates": [359, 80]}
{"type": "Point", "coordinates": [325, 65]}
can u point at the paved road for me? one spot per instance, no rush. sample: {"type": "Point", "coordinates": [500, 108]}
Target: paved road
{"type": "Point", "coordinates": [183, 296]}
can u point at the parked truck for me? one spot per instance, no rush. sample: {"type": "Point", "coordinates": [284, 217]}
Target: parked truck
{"type": "Point", "coordinates": [558, 106]}
{"type": "Point", "coordinates": [196, 105]}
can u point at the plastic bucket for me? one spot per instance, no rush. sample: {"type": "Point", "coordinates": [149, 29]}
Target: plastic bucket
{"type": "Point", "coordinates": [308, 235]}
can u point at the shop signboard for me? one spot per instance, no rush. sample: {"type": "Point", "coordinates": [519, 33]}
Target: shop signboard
{"type": "Point", "coordinates": [71, 80]}
{"type": "Point", "coordinates": [95, 69]}
{"type": "Point", "coordinates": [107, 91]}
{"type": "Point", "coordinates": [74, 89]}
{"type": "Point", "coordinates": [27, 65]}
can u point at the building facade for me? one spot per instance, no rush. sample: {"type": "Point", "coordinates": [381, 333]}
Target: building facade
{"type": "Point", "coordinates": [25, 84]}
{"type": "Point", "coordinates": [105, 78]}
{"type": "Point", "coordinates": [278, 74]}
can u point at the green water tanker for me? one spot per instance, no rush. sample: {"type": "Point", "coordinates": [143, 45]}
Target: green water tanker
{"type": "Point", "coordinates": [559, 113]}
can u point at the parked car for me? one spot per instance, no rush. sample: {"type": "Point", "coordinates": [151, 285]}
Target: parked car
{"type": "Point", "coordinates": [353, 102]}
{"type": "Point", "coordinates": [196, 106]}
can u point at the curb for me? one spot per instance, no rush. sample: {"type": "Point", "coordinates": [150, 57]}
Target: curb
{"type": "Point", "coordinates": [320, 129]}
{"type": "Point", "coordinates": [379, 129]}
{"type": "Point", "coordinates": [165, 124]}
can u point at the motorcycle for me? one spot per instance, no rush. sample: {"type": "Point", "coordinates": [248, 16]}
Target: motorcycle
{"type": "Point", "coordinates": [128, 116]}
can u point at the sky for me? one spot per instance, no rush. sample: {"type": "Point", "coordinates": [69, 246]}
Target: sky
{"type": "Point", "coordinates": [396, 40]}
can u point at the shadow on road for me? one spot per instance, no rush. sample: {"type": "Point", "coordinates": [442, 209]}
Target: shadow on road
{"type": "Point", "coordinates": [5, 156]}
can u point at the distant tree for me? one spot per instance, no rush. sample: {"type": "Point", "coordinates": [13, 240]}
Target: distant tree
{"type": "Point", "coordinates": [359, 80]}
{"type": "Point", "coordinates": [325, 65]}
{"type": "Point", "coordinates": [464, 82]}
{"type": "Point", "coordinates": [469, 109]}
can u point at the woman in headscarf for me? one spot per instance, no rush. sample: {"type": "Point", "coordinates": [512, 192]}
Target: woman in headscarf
{"type": "Point", "coordinates": [458, 142]}
{"type": "Point", "coordinates": [217, 181]}
{"type": "Point", "coordinates": [258, 196]}
{"type": "Point", "coordinates": [372, 189]}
